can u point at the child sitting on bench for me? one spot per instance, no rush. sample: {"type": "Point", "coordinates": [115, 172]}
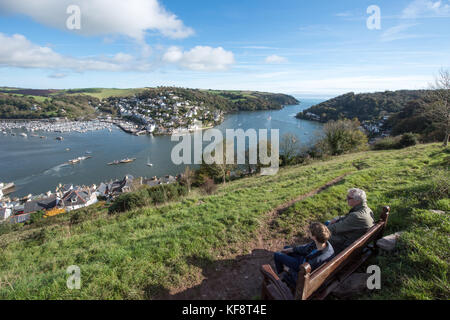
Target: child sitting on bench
{"type": "Point", "coordinates": [315, 253]}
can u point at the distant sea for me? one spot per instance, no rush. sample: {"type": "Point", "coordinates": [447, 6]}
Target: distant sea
{"type": "Point", "coordinates": [38, 165]}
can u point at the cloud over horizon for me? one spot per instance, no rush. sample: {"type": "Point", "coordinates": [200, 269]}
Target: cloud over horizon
{"type": "Point", "coordinates": [18, 51]}
{"type": "Point", "coordinates": [200, 58]}
{"type": "Point", "coordinates": [275, 59]}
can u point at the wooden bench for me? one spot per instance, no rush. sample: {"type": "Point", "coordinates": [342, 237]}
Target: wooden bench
{"type": "Point", "coordinates": [322, 281]}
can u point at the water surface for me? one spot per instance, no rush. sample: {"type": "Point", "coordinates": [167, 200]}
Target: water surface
{"type": "Point", "coordinates": [38, 165]}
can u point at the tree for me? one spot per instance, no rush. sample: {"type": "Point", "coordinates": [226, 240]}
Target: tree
{"type": "Point", "coordinates": [217, 171]}
{"type": "Point", "coordinates": [187, 177]}
{"type": "Point", "coordinates": [342, 136]}
{"type": "Point", "coordinates": [289, 147]}
{"type": "Point", "coordinates": [439, 111]}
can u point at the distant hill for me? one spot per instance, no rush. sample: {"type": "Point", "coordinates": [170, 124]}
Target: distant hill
{"type": "Point", "coordinates": [365, 106]}
{"type": "Point", "coordinates": [17, 103]}
{"type": "Point", "coordinates": [380, 113]}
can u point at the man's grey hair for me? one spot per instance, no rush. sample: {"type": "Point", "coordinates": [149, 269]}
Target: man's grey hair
{"type": "Point", "coordinates": [358, 195]}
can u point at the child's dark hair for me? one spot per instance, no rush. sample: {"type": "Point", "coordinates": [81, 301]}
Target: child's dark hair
{"type": "Point", "coordinates": [320, 232]}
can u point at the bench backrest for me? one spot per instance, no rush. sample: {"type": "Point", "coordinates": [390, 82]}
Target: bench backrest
{"type": "Point", "coordinates": [308, 282]}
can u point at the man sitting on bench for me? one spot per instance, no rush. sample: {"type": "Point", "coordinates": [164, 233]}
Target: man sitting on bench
{"type": "Point", "coordinates": [315, 253]}
{"type": "Point", "coordinates": [347, 229]}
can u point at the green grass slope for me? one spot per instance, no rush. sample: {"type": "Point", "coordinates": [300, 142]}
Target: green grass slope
{"type": "Point", "coordinates": [136, 254]}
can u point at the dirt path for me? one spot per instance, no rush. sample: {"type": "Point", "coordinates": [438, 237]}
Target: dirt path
{"type": "Point", "coordinates": [239, 278]}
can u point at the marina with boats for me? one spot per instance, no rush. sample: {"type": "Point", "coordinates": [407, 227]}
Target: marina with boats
{"type": "Point", "coordinates": [123, 161]}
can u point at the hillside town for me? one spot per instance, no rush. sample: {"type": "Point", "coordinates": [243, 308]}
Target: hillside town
{"type": "Point", "coordinates": [166, 114]}
{"type": "Point", "coordinates": [68, 197]}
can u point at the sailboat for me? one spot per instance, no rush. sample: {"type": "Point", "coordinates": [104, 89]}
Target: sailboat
{"type": "Point", "coordinates": [148, 162]}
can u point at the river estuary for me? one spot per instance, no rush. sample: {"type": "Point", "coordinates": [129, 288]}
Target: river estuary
{"type": "Point", "coordinates": [38, 165]}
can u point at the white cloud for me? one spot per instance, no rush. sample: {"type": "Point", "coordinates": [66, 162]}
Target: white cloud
{"type": "Point", "coordinates": [18, 51]}
{"type": "Point", "coordinates": [132, 18]}
{"type": "Point", "coordinates": [200, 58]}
{"type": "Point", "coordinates": [57, 75]}
{"type": "Point", "coordinates": [275, 59]}
{"type": "Point", "coordinates": [397, 32]}
{"type": "Point", "coordinates": [426, 9]}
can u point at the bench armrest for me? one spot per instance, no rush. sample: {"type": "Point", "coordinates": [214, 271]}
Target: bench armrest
{"type": "Point", "coordinates": [273, 287]}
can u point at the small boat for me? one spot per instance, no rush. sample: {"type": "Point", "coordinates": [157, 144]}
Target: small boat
{"type": "Point", "coordinates": [114, 163]}
{"type": "Point", "coordinates": [60, 138]}
{"type": "Point", "coordinates": [24, 135]}
{"type": "Point", "coordinates": [7, 188]}
{"type": "Point", "coordinates": [43, 137]}
{"type": "Point", "coordinates": [127, 160]}
{"type": "Point", "coordinates": [26, 198]}
{"type": "Point", "coordinates": [149, 163]}
{"type": "Point", "coordinates": [74, 161]}
{"type": "Point", "coordinates": [13, 134]}
{"type": "Point", "coordinates": [88, 152]}
{"type": "Point", "coordinates": [67, 149]}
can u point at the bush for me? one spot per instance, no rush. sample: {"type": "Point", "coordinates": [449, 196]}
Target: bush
{"type": "Point", "coordinates": [341, 137]}
{"type": "Point", "coordinates": [167, 192]}
{"type": "Point", "coordinates": [129, 201]}
{"type": "Point", "coordinates": [407, 140]}
{"type": "Point", "coordinates": [37, 216]}
{"type": "Point", "coordinates": [209, 187]}
{"type": "Point", "coordinates": [157, 194]}
{"type": "Point", "coordinates": [398, 142]}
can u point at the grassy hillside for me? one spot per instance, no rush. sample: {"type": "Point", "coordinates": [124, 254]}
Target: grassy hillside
{"type": "Point", "coordinates": [138, 254]}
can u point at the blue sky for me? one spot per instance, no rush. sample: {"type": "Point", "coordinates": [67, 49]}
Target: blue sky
{"type": "Point", "coordinates": [314, 48]}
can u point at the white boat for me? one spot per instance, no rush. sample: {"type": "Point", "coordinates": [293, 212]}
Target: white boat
{"type": "Point", "coordinates": [24, 135]}
{"type": "Point", "coordinates": [149, 163]}
{"type": "Point", "coordinates": [6, 188]}
{"type": "Point", "coordinates": [128, 160]}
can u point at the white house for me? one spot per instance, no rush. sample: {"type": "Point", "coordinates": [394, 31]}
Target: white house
{"type": "Point", "coordinates": [5, 213]}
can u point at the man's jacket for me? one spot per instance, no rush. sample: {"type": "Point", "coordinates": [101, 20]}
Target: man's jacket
{"type": "Point", "coordinates": [351, 227]}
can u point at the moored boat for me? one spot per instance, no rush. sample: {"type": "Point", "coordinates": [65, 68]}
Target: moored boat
{"type": "Point", "coordinates": [127, 160]}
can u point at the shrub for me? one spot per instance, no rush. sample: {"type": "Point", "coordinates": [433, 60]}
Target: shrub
{"type": "Point", "coordinates": [36, 216]}
{"type": "Point", "coordinates": [398, 142]}
{"type": "Point", "coordinates": [129, 201]}
{"type": "Point", "coordinates": [158, 194]}
{"type": "Point", "coordinates": [407, 140]}
{"type": "Point", "coordinates": [163, 193]}
{"type": "Point", "coordinates": [209, 187]}
{"type": "Point", "coordinates": [341, 137]}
